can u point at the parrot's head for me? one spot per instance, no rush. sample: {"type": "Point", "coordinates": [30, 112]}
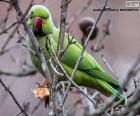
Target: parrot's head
{"type": "Point", "coordinates": [39, 18]}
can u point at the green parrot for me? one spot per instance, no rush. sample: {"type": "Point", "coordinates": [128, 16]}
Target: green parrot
{"type": "Point", "coordinates": [89, 74]}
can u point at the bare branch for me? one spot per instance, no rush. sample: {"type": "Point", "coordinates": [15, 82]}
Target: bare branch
{"type": "Point", "coordinates": [6, 1]}
{"type": "Point", "coordinates": [132, 106]}
{"type": "Point", "coordinates": [36, 107]}
{"type": "Point", "coordinates": [8, 39]}
{"type": "Point", "coordinates": [64, 7]}
{"type": "Point", "coordinates": [9, 27]}
{"type": "Point", "coordinates": [4, 21]}
{"type": "Point", "coordinates": [133, 71]}
{"type": "Point", "coordinates": [110, 68]}
{"type": "Point", "coordinates": [106, 32]}
{"type": "Point", "coordinates": [8, 50]}
{"type": "Point", "coordinates": [13, 97]}
{"type": "Point", "coordinates": [22, 73]}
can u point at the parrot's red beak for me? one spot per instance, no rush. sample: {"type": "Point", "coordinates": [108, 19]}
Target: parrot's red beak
{"type": "Point", "coordinates": [37, 23]}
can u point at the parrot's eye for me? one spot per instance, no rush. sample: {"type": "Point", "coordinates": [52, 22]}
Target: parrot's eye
{"type": "Point", "coordinates": [45, 17]}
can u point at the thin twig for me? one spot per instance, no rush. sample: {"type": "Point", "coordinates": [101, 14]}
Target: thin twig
{"type": "Point", "coordinates": [110, 68]}
{"type": "Point", "coordinates": [6, 1]}
{"type": "Point", "coordinates": [64, 7]}
{"type": "Point", "coordinates": [3, 23]}
{"type": "Point", "coordinates": [36, 107]}
{"type": "Point", "coordinates": [19, 74]}
{"type": "Point", "coordinates": [13, 97]}
{"type": "Point", "coordinates": [70, 42]}
{"type": "Point", "coordinates": [8, 39]}
{"type": "Point", "coordinates": [106, 32]}
{"type": "Point", "coordinates": [54, 69]}
{"type": "Point", "coordinates": [133, 102]}
{"type": "Point", "coordinates": [9, 27]}
{"type": "Point", "coordinates": [133, 71]}
{"type": "Point", "coordinates": [135, 83]}
{"type": "Point", "coordinates": [8, 50]}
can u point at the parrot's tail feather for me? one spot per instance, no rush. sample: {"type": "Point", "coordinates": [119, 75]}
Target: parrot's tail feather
{"type": "Point", "coordinates": [109, 89]}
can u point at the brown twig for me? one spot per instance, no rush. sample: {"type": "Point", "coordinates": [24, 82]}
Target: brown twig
{"type": "Point", "coordinates": [131, 105]}
{"type": "Point", "coordinates": [110, 68]}
{"type": "Point", "coordinates": [64, 7]}
{"type": "Point", "coordinates": [133, 71]}
{"type": "Point", "coordinates": [3, 23]}
{"type": "Point", "coordinates": [36, 107]}
{"type": "Point", "coordinates": [8, 39]}
{"type": "Point", "coordinates": [8, 50]}
{"type": "Point", "coordinates": [106, 32]}
{"type": "Point", "coordinates": [135, 83]}
{"type": "Point", "coordinates": [6, 1]}
{"type": "Point", "coordinates": [9, 27]}
{"type": "Point", "coordinates": [19, 74]}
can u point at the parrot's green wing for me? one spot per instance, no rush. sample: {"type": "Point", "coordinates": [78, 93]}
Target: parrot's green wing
{"type": "Point", "coordinates": [87, 63]}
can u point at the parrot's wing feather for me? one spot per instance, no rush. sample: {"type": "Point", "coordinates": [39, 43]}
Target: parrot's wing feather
{"type": "Point", "coordinates": [91, 67]}
{"type": "Point", "coordinates": [87, 63]}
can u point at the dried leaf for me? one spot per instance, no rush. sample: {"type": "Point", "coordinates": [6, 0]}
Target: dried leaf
{"type": "Point", "coordinates": [41, 91]}
{"type": "Point", "coordinates": [44, 82]}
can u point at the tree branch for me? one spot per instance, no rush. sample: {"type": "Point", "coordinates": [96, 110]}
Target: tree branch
{"type": "Point", "coordinates": [19, 74]}
{"type": "Point", "coordinates": [13, 97]}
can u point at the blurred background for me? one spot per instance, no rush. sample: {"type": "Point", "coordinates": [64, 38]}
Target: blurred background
{"type": "Point", "coordinates": [121, 49]}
